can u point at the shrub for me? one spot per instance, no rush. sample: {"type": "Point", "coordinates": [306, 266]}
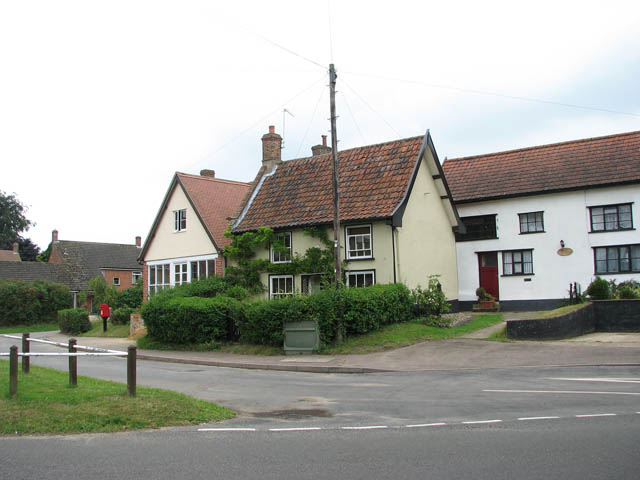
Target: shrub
{"type": "Point", "coordinates": [599, 289]}
{"type": "Point", "coordinates": [627, 293]}
{"type": "Point", "coordinates": [121, 315]}
{"type": "Point", "coordinates": [131, 297]}
{"type": "Point", "coordinates": [23, 303]}
{"type": "Point", "coordinates": [205, 288]}
{"type": "Point", "coordinates": [431, 301]}
{"type": "Point", "coordinates": [182, 320]}
{"type": "Point", "coordinates": [103, 293]}
{"type": "Point", "coordinates": [74, 321]}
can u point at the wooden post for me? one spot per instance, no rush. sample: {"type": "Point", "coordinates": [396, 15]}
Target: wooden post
{"type": "Point", "coordinates": [26, 348]}
{"type": "Point", "coordinates": [73, 363]}
{"type": "Point", "coordinates": [13, 371]}
{"type": "Point", "coordinates": [131, 370]}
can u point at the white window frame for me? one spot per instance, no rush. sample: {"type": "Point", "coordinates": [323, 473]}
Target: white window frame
{"type": "Point", "coordinates": [357, 237]}
{"type": "Point", "coordinates": [279, 278]}
{"type": "Point", "coordinates": [154, 288]}
{"type": "Point", "coordinates": [180, 220]}
{"type": "Point", "coordinates": [277, 257]}
{"type": "Point", "coordinates": [116, 281]}
{"type": "Point", "coordinates": [357, 273]}
{"type": "Point", "coordinates": [180, 273]}
{"type": "Point", "coordinates": [135, 276]}
{"type": "Point", "coordinates": [170, 281]}
{"type": "Point", "coordinates": [199, 273]}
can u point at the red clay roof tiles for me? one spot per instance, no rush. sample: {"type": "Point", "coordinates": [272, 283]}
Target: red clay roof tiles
{"type": "Point", "coordinates": [614, 159]}
{"type": "Point", "coordinates": [373, 180]}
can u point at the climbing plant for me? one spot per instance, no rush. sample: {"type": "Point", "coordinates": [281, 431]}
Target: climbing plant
{"type": "Point", "coordinates": [246, 272]}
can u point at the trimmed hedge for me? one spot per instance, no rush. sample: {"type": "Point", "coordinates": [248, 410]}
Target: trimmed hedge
{"type": "Point", "coordinates": [23, 303]}
{"type": "Point", "coordinates": [121, 315]}
{"type": "Point", "coordinates": [74, 321]}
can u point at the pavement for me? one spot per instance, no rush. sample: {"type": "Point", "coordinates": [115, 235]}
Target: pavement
{"type": "Point", "coordinates": [471, 351]}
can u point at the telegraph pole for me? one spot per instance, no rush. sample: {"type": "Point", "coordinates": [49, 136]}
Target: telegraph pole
{"type": "Point", "coordinates": [336, 199]}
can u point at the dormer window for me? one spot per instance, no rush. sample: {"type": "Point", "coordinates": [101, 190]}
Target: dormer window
{"type": "Point", "coordinates": [180, 220]}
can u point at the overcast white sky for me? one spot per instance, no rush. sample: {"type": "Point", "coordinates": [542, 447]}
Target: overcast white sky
{"type": "Point", "coordinates": [102, 101]}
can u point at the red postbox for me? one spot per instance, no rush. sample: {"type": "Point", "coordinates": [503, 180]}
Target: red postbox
{"type": "Point", "coordinates": [105, 313]}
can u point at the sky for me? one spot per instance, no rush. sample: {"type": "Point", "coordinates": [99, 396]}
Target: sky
{"type": "Point", "coordinates": [102, 101]}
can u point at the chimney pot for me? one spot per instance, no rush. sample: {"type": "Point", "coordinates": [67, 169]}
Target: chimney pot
{"type": "Point", "coordinates": [271, 149]}
{"type": "Point", "coordinates": [321, 149]}
{"type": "Point", "coordinates": [208, 173]}
{"type": "Point", "coordinates": [15, 247]}
{"type": "Point", "coordinates": [324, 140]}
{"type": "Point", "coordinates": [138, 241]}
{"type": "Point", "coordinates": [272, 129]}
{"type": "Point", "coordinates": [54, 236]}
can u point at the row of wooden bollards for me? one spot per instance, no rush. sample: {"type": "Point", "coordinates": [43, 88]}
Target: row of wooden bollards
{"type": "Point", "coordinates": [73, 364]}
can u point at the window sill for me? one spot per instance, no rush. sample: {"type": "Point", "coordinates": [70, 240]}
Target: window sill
{"type": "Point", "coordinates": [532, 233]}
{"type": "Point", "coordinates": [612, 231]}
{"type": "Point", "coordinates": [476, 239]}
{"type": "Point", "coordinates": [518, 275]}
{"type": "Point", "coordinates": [180, 231]}
{"type": "Point", "coordinates": [617, 273]}
{"type": "Point", "coordinates": [357, 259]}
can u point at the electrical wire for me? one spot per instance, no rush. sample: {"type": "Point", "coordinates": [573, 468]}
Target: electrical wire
{"type": "Point", "coordinates": [310, 122]}
{"type": "Point", "coordinates": [493, 94]}
{"type": "Point", "coordinates": [371, 108]}
{"type": "Point", "coordinates": [353, 117]}
{"type": "Point", "coordinates": [289, 50]}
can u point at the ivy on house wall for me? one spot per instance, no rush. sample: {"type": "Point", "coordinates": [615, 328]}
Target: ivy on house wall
{"type": "Point", "coordinates": [246, 272]}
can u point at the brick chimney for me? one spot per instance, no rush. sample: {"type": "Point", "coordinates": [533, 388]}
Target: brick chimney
{"type": "Point", "coordinates": [138, 241]}
{"type": "Point", "coordinates": [271, 149]}
{"type": "Point", "coordinates": [15, 247]}
{"type": "Point", "coordinates": [321, 149]}
{"type": "Point", "coordinates": [54, 236]}
{"type": "Point", "coordinates": [208, 173]}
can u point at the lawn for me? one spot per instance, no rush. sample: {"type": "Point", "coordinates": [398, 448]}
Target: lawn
{"type": "Point", "coordinates": [37, 327]}
{"type": "Point", "coordinates": [45, 404]}
{"type": "Point", "coordinates": [113, 331]}
{"type": "Point", "coordinates": [404, 334]}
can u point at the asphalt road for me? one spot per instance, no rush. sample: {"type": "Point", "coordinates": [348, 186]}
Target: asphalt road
{"type": "Point", "coordinates": [565, 422]}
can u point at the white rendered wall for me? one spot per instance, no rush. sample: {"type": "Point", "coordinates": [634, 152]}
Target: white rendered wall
{"type": "Point", "coordinates": [566, 217]}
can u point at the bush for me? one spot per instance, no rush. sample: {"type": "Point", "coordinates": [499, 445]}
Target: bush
{"type": "Point", "coordinates": [182, 320]}
{"type": "Point", "coordinates": [103, 293]}
{"type": "Point", "coordinates": [23, 303]}
{"type": "Point", "coordinates": [599, 289]}
{"type": "Point", "coordinates": [74, 321]}
{"type": "Point", "coordinates": [121, 315]}
{"type": "Point", "coordinates": [131, 297]}
{"type": "Point", "coordinates": [205, 288]}
{"type": "Point", "coordinates": [431, 301]}
{"type": "Point", "coordinates": [628, 293]}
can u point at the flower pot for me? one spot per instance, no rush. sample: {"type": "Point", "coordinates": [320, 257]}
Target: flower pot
{"type": "Point", "coordinates": [486, 304]}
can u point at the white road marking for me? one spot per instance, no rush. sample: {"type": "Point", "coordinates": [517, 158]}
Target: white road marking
{"type": "Point", "coordinates": [537, 418]}
{"type": "Point", "coordinates": [226, 429]}
{"type": "Point", "coordinates": [610, 380]}
{"type": "Point", "coordinates": [481, 421]}
{"type": "Point", "coordinates": [420, 425]}
{"type": "Point", "coordinates": [562, 391]}
{"type": "Point", "coordinates": [294, 429]}
{"type": "Point", "coordinates": [597, 415]}
{"type": "Point", "coordinates": [370, 427]}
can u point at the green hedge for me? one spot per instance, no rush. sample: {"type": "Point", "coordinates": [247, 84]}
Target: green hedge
{"type": "Point", "coordinates": [121, 316]}
{"type": "Point", "coordinates": [23, 303]}
{"type": "Point", "coordinates": [183, 320]}
{"type": "Point", "coordinates": [74, 321]}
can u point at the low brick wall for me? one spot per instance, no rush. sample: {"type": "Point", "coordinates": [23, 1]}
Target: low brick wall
{"type": "Point", "coordinates": [136, 323]}
{"type": "Point", "coordinates": [617, 315]}
{"type": "Point", "coordinates": [598, 316]}
{"type": "Point", "coordinates": [573, 324]}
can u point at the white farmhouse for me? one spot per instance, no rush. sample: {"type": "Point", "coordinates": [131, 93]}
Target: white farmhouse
{"type": "Point", "coordinates": [541, 218]}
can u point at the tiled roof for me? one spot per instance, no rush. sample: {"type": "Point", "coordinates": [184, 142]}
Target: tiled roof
{"type": "Point", "coordinates": [9, 256]}
{"type": "Point", "coordinates": [373, 181]}
{"type": "Point", "coordinates": [591, 162]}
{"type": "Point", "coordinates": [70, 275]}
{"type": "Point", "coordinates": [215, 201]}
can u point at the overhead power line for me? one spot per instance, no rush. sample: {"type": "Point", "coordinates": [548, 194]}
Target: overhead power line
{"type": "Point", "coordinates": [493, 94]}
{"type": "Point", "coordinates": [371, 108]}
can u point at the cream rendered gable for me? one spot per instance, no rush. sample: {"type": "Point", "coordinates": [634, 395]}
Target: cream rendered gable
{"type": "Point", "coordinates": [168, 244]}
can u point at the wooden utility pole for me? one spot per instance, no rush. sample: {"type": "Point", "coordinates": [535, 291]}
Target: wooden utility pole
{"type": "Point", "coordinates": [336, 199]}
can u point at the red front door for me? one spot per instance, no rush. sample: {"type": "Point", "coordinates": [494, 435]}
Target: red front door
{"type": "Point", "coordinates": [488, 263]}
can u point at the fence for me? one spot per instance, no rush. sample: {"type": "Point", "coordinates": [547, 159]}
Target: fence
{"type": "Point", "coordinates": [73, 355]}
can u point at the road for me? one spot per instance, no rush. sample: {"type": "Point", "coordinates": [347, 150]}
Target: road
{"type": "Point", "coordinates": [578, 422]}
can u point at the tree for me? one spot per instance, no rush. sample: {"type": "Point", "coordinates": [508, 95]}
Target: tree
{"type": "Point", "coordinates": [12, 223]}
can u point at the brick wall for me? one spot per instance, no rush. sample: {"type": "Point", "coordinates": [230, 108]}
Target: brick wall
{"type": "Point", "coordinates": [124, 276]}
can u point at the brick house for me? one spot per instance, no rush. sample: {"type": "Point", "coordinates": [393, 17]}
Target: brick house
{"type": "Point", "coordinates": [540, 218]}
{"type": "Point", "coordinates": [12, 255]}
{"type": "Point", "coordinates": [187, 236]}
{"type": "Point", "coordinates": [397, 216]}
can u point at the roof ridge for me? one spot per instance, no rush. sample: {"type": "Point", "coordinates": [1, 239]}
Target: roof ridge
{"type": "Point", "coordinates": [99, 243]}
{"type": "Point", "coordinates": [213, 179]}
{"type": "Point", "coordinates": [523, 149]}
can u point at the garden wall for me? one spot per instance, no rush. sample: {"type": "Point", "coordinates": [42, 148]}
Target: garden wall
{"type": "Point", "coordinates": [617, 315]}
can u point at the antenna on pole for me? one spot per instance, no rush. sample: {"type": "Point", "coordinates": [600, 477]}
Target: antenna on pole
{"type": "Point", "coordinates": [284, 111]}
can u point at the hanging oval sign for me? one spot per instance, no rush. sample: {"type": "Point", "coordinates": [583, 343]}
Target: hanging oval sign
{"type": "Point", "coordinates": [565, 252]}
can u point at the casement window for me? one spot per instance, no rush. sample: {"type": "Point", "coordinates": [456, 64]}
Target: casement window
{"type": "Point", "coordinates": [180, 220]}
{"type": "Point", "coordinates": [359, 242]}
{"type": "Point", "coordinates": [180, 273]}
{"type": "Point", "coordinates": [280, 286]}
{"type": "Point", "coordinates": [531, 222]}
{"type": "Point", "coordinates": [617, 259]}
{"type": "Point", "coordinates": [202, 269]}
{"type": "Point", "coordinates": [481, 227]}
{"type": "Point", "coordinates": [135, 276]}
{"type": "Point", "coordinates": [282, 256]}
{"type": "Point", "coordinates": [517, 262]}
{"type": "Point", "coordinates": [608, 218]}
{"type": "Point", "coordinates": [159, 278]}
{"type": "Point", "coordinates": [116, 281]}
{"type": "Point", "coordinates": [362, 278]}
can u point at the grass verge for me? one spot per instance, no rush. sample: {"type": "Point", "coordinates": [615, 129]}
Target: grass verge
{"type": "Point", "coordinates": [37, 327]}
{"type": "Point", "coordinates": [45, 404]}
{"type": "Point", "coordinates": [146, 343]}
{"type": "Point", "coordinates": [499, 336]}
{"type": "Point", "coordinates": [404, 334]}
{"type": "Point", "coordinates": [113, 331]}
{"type": "Point", "coordinates": [561, 311]}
